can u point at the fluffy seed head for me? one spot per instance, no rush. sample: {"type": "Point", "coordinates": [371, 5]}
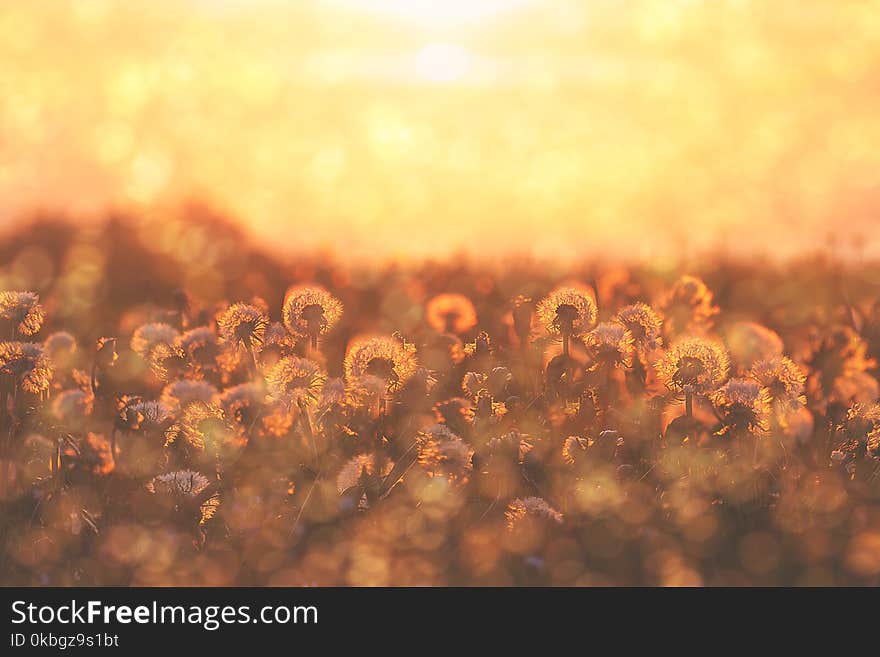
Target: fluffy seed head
{"type": "Point", "coordinates": [146, 337]}
{"type": "Point", "coordinates": [610, 344]}
{"type": "Point", "coordinates": [22, 310]}
{"type": "Point", "coordinates": [243, 324]}
{"type": "Point", "coordinates": [27, 364]}
{"type": "Point", "coordinates": [693, 365]}
{"type": "Point", "coordinates": [293, 380]}
{"type": "Point", "coordinates": [643, 323]}
{"type": "Point", "coordinates": [310, 311]}
{"type": "Point", "coordinates": [567, 311]}
{"type": "Point", "coordinates": [382, 358]}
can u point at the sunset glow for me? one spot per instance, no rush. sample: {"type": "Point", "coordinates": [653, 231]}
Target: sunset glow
{"type": "Point", "coordinates": [415, 128]}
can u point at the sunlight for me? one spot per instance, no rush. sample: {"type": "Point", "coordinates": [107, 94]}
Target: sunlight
{"type": "Point", "coordinates": [434, 12]}
{"type": "Point", "coordinates": [442, 62]}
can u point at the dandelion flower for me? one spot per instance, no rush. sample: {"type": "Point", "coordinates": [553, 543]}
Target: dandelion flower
{"type": "Point", "coordinates": [742, 404]}
{"type": "Point", "coordinates": [643, 324]}
{"type": "Point", "coordinates": [688, 306]}
{"type": "Point", "coordinates": [361, 472]}
{"type": "Point", "coordinates": [200, 347]}
{"type": "Point", "coordinates": [241, 403]}
{"type": "Point", "coordinates": [451, 313]}
{"type": "Point", "coordinates": [310, 311]}
{"type": "Point", "coordinates": [22, 310]}
{"type": "Point", "coordinates": [382, 358]}
{"type": "Point", "coordinates": [694, 366]}
{"type": "Point", "coordinates": [27, 364]}
{"type": "Point", "coordinates": [178, 394]}
{"type": "Point", "coordinates": [567, 311]}
{"type": "Point", "coordinates": [203, 427]}
{"type": "Point", "coordinates": [243, 324]}
{"type": "Point", "coordinates": [147, 337]}
{"type": "Point", "coordinates": [534, 507]}
{"type": "Point", "coordinates": [783, 379]}
{"type": "Point", "coordinates": [441, 453]}
{"type": "Point", "coordinates": [185, 488]}
{"type": "Point", "coordinates": [610, 345]}
{"type": "Point", "coordinates": [144, 416]}
{"type": "Point", "coordinates": [293, 380]}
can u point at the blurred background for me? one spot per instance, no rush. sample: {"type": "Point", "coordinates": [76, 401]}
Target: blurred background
{"type": "Point", "coordinates": [646, 129]}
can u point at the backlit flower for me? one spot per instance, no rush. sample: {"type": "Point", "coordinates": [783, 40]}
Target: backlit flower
{"type": "Point", "coordinates": [694, 365]}
{"type": "Point", "coordinates": [382, 358]}
{"type": "Point", "coordinates": [243, 324]}
{"type": "Point", "coordinates": [567, 311]}
{"type": "Point", "coordinates": [22, 311]}
{"type": "Point", "coordinates": [310, 311]}
{"type": "Point", "coordinates": [293, 380]}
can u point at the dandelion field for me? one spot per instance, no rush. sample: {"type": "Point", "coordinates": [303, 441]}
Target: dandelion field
{"type": "Point", "coordinates": [304, 421]}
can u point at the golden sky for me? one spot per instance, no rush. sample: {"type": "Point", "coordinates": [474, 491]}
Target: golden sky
{"type": "Point", "coordinates": [648, 128]}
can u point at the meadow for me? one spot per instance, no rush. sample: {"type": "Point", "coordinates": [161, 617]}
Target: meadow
{"type": "Point", "coordinates": [180, 407]}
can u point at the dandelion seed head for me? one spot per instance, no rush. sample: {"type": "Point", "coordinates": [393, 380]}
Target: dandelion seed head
{"type": "Point", "coordinates": [310, 311]}
{"type": "Point", "coordinates": [743, 403]}
{"type": "Point", "coordinates": [243, 324]}
{"type": "Point", "coordinates": [382, 358]}
{"type": "Point", "coordinates": [643, 323]}
{"type": "Point", "coordinates": [783, 378]}
{"type": "Point", "coordinates": [441, 453]}
{"type": "Point", "coordinates": [688, 306]}
{"type": "Point", "coordinates": [693, 364]}
{"type": "Point", "coordinates": [23, 311]}
{"type": "Point", "coordinates": [146, 337]}
{"type": "Point", "coordinates": [567, 311]}
{"type": "Point", "coordinates": [178, 394]}
{"type": "Point", "coordinates": [535, 507]}
{"type": "Point", "coordinates": [355, 468]}
{"type": "Point", "coordinates": [146, 416]}
{"type": "Point", "coordinates": [202, 426]}
{"type": "Point", "coordinates": [28, 364]}
{"type": "Point", "coordinates": [610, 344]}
{"type": "Point", "coordinates": [293, 380]}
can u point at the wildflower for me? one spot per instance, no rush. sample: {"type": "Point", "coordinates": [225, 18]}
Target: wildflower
{"type": "Point", "coordinates": [144, 416]}
{"type": "Point", "coordinates": [574, 448]}
{"type": "Point", "coordinates": [783, 379]}
{"type": "Point", "coordinates": [241, 403]}
{"type": "Point", "coordinates": [610, 345]}
{"type": "Point", "coordinates": [200, 348]}
{"type": "Point", "coordinates": [362, 475]}
{"type": "Point", "coordinates": [243, 324]}
{"type": "Point", "coordinates": [60, 347]}
{"type": "Point", "coordinates": [694, 366]}
{"type": "Point", "coordinates": [310, 312]}
{"type": "Point", "coordinates": [27, 364]}
{"type": "Point", "coordinates": [167, 361]}
{"type": "Point", "coordinates": [187, 490]}
{"type": "Point", "coordinates": [743, 405]}
{"type": "Point", "coordinates": [148, 336]}
{"type": "Point", "coordinates": [441, 453]}
{"type": "Point", "coordinates": [202, 427]}
{"type": "Point", "coordinates": [294, 380]}
{"type": "Point", "coordinates": [568, 312]}
{"type": "Point", "coordinates": [381, 358]}
{"type": "Point", "coordinates": [530, 507]}
{"type": "Point", "coordinates": [451, 313]}
{"type": "Point", "coordinates": [178, 394]}
{"type": "Point", "coordinates": [457, 412]}
{"type": "Point", "coordinates": [643, 324]}
{"type": "Point", "coordinates": [276, 344]}
{"type": "Point", "coordinates": [22, 311]}
{"type": "Point", "coordinates": [688, 307]}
